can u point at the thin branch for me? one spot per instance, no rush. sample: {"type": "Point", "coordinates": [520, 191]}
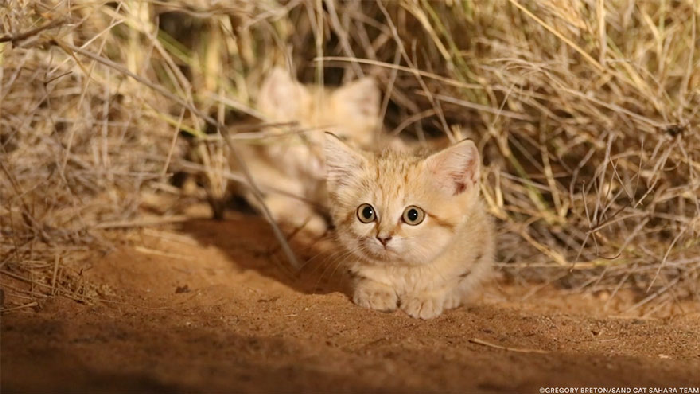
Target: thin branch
{"type": "Point", "coordinates": [15, 38]}
{"type": "Point", "coordinates": [69, 49]}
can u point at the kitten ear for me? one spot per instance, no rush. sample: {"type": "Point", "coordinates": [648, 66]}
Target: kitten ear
{"type": "Point", "coordinates": [359, 98]}
{"type": "Point", "coordinates": [281, 95]}
{"type": "Point", "coordinates": [455, 169]}
{"type": "Point", "coordinates": [341, 160]}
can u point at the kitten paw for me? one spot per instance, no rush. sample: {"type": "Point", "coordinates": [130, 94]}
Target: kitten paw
{"type": "Point", "coordinates": [373, 295]}
{"type": "Point", "coordinates": [452, 300]}
{"type": "Point", "coordinates": [423, 307]}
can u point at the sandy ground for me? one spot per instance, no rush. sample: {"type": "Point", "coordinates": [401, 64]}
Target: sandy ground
{"type": "Point", "coordinates": [205, 309]}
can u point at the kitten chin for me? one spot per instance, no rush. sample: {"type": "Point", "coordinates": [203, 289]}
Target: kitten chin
{"type": "Point", "coordinates": [420, 237]}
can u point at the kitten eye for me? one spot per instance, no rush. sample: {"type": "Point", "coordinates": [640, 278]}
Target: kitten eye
{"type": "Point", "coordinates": [413, 215]}
{"type": "Point", "coordinates": [365, 213]}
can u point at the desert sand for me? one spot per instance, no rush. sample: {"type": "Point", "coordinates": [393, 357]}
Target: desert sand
{"type": "Point", "coordinates": [205, 308]}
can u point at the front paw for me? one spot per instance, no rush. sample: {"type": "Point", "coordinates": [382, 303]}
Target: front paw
{"type": "Point", "coordinates": [374, 295]}
{"type": "Point", "coordinates": [453, 300]}
{"type": "Point", "coordinates": [424, 306]}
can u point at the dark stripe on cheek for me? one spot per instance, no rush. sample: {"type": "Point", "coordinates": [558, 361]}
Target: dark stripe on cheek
{"type": "Point", "coordinates": [441, 222]}
{"type": "Point", "coordinates": [469, 270]}
{"type": "Point", "coordinates": [349, 218]}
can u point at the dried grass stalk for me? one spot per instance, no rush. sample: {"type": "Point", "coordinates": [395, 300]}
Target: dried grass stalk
{"type": "Point", "coordinates": [587, 114]}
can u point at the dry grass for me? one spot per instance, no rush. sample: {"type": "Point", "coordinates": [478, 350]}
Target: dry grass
{"type": "Point", "coordinates": [587, 113]}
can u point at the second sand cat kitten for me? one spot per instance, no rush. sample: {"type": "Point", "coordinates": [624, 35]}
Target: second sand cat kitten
{"type": "Point", "coordinates": [289, 168]}
{"type": "Point", "coordinates": [418, 236]}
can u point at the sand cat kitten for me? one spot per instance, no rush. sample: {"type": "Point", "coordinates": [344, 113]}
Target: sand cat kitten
{"type": "Point", "coordinates": [289, 168]}
{"type": "Point", "coordinates": [417, 232]}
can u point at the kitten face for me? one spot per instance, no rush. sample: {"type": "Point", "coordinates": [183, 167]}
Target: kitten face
{"type": "Point", "coordinates": [350, 111]}
{"type": "Point", "coordinates": [393, 208]}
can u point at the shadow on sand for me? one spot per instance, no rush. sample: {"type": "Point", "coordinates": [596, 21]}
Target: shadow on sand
{"type": "Point", "coordinates": [249, 243]}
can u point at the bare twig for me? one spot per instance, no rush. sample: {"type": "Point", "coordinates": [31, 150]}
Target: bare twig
{"type": "Point", "coordinates": [16, 38]}
{"type": "Point", "coordinates": [509, 349]}
{"type": "Point", "coordinates": [221, 128]}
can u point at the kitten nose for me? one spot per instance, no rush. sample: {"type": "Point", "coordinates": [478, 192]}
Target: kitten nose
{"type": "Point", "coordinates": [384, 240]}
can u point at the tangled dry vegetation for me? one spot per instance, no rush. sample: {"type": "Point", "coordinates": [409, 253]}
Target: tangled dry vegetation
{"type": "Point", "coordinates": [587, 113]}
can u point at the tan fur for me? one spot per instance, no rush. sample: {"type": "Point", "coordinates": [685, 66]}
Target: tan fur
{"type": "Point", "coordinates": [289, 168]}
{"type": "Point", "coordinates": [425, 268]}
